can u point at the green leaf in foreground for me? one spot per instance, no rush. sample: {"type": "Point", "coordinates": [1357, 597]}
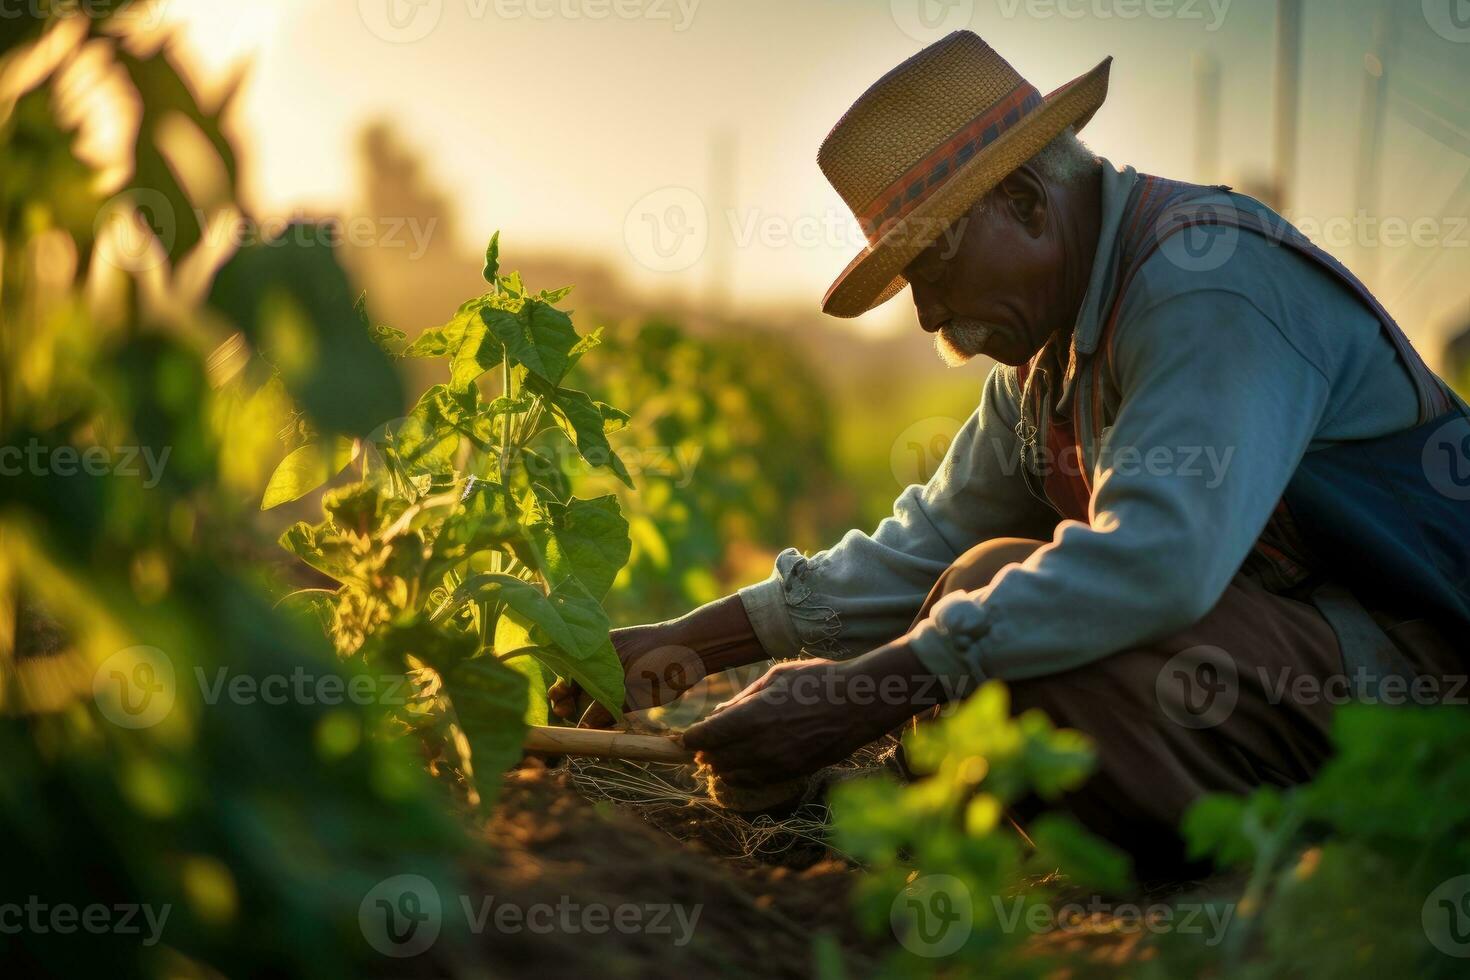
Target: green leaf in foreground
{"type": "Point", "coordinates": [490, 702]}
{"type": "Point", "coordinates": [567, 630]}
{"type": "Point", "coordinates": [445, 340]}
{"type": "Point", "coordinates": [477, 351]}
{"type": "Point", "coordinates": [586, 423]}
{"type": "Point", "coordinates": [484, 522]}
{"type": "Point", "coordinates": [539, 337]}
{"type": "Point", "coordinates": [307, 468]}
{"type": "Point", "coordinates": [320, 548]}
{"type": "Point", "coordinates": [428, 438]}
{"type": "Point", "coordinates": [588, 540]}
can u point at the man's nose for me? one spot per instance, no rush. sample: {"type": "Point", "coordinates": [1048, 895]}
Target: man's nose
{"type": "Point", "coordinates": [933, 314]}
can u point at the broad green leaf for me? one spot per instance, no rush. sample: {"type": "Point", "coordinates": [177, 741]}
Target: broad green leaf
{"type": "Point", "coordinates": [527, 603]}
{"type": "Point", "coordinates": [568, 627]}
{"type": "Point", "coordinates": [539, 337]}
{"type": "Point", "coordinates": [445, 340]}
{"type": "Point", "coordinates": [361, 507]}
{"type": "Point", "coordinates": [588, 541]}
{"type": "Point", "coordinates": [490, 700]}
{"type": "Point", "coordinates": [478, 351]}
{"type": "Point", "coordinates": [544, 471]}
{"type": "Point", "coordinates": [433, 342]}
{"type": "Point", "coordinates": [484, 521]}
{"type": "Point", "coordinates": [600, 674]}
{"type": "Point", "coordinates": [427, 440]}
{"type": "Point", "coordinates": [328, 553]}
{"type": "Point", "coordinates": [538, 682]}
{"type": "Point", "coordinates": [305, 469]}
{"type": "Point", "coordinates": [513, 637]}
{"type": "Point", "coordinates": [591, 661]}
{"type": "Point", "coordinates": [583, 421]}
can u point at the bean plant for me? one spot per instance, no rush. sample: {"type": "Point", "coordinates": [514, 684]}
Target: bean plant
{"type": "Point", "coordinates": [459, 554]}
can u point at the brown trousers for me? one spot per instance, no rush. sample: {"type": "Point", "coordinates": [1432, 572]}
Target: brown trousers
{"type": "Point", "coordinates": [1241, 699]}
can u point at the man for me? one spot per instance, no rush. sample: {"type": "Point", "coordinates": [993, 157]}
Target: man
{"type": "Point", "coordinates": [1202, 501]}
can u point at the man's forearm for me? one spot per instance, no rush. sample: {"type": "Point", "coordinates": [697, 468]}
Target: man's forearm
{"type": "Point", "coordinates": [719, 633]}
{"type": "Point", "coordinates": [897, 683]}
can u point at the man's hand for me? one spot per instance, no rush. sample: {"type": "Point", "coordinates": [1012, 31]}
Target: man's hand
{"type": "Point", "coordinates": [655, 670]}
{"type": "Point", "coordinates": [662, 661]}
{"type": "Point", "coordinates": [806, 714]}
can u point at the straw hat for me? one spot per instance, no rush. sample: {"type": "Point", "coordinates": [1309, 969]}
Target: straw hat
{"type": "Point", "coordinates": [927, 141]}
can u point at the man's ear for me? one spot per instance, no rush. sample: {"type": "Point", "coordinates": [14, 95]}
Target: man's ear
{"type": "Point", "coordinates": [1024, 194]}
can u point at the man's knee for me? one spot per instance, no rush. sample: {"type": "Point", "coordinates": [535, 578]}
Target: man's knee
{"type": "Point", "coordinates": [977, 567]}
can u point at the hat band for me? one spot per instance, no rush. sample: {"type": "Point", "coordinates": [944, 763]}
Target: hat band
{"type": "Point", "coordinates": [932, 172]}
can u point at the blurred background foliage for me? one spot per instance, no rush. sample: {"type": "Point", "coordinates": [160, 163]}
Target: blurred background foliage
{"type": "Point", "coordinates": [736, 459]}
{"type": "Point", "coordinates": [256, 831]}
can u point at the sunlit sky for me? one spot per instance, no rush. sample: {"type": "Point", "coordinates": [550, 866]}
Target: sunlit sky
{"type": "Point", "coordinates": [554, 120]}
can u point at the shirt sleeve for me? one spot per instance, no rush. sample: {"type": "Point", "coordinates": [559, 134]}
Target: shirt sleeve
{"type": "Point", "coordinates": [866, 590]}
{"type": "Point", "coordinates": [1216, 410]}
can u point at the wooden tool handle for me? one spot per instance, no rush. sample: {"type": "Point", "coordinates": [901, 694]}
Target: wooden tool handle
{"type": "Point", "coordinates": [606, 744]}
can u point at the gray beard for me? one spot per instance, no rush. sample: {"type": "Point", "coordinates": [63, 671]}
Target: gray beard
{"type": "Point", "coordinates": [961, 339]}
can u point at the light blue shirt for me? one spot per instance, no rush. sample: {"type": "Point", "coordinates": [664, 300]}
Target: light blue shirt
{"type": "Point", "coordinates": [1223, 377]}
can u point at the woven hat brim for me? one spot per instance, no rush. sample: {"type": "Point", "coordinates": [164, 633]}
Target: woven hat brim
{"type": "Point", "coordinates": [874, 276]}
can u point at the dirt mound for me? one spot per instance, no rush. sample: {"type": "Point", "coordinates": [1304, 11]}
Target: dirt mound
{"type": "Point", "coordinates": [624, 895]}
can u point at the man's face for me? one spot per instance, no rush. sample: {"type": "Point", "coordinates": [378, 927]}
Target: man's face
{"type": "Point", "coordinates": [990, 285]}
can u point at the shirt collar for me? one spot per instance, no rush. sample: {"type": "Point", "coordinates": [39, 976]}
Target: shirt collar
{"type": "Point", "coordinates": [1116, 186]}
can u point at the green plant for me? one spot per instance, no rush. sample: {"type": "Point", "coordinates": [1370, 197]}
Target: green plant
{"type": "Point", "coordinates": [1355, 873]}
{"type": "Point", "coordinates": [972, 764]}
{"type": "Point", "coordinates": [461, 556]}
{"type": "Point", "coordinates": [250, 831]}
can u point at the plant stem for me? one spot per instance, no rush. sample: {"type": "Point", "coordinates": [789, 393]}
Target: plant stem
{"type": "Point", "coordinates": [530, 420]}
{"type": "Point", "coordinates": [505, 421]}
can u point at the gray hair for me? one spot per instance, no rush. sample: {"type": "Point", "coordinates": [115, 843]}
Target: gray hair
{"type": "Point", "coordinates": [1066, 160]}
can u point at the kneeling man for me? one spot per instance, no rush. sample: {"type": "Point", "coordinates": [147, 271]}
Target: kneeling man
{"type": "Point", "coordinates": [1210, 491]}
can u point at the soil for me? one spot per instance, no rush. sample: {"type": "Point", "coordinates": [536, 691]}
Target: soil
{"type": "Point", "coordinates": [708, 909]}
{"type": "Point", "coordinates": [755, 919]}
